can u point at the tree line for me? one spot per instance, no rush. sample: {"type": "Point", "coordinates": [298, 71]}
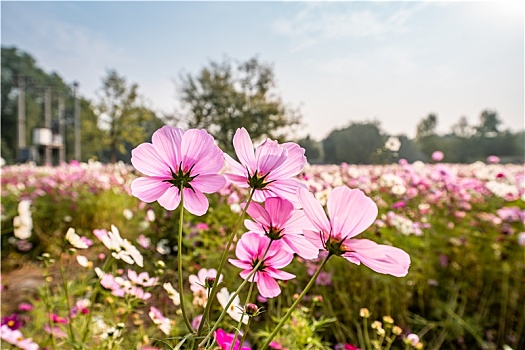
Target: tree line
{"type": "Point", "coordinates": [221, 97]}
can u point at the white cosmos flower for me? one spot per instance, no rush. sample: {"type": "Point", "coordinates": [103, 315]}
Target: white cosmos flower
{"type": "Point", "coordinates": [234, 310]}
{"type": "Point", "coordinates": [83, 261]}
{"type": "Point", "coordinates": [75, 240]}
{"type": "Point", "coordinates": [172, 293]}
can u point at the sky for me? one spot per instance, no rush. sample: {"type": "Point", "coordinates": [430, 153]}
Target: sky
{"type": "Point", "coordinates": [338, 62]}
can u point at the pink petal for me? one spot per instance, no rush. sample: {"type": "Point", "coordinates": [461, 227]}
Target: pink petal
{"type": "Point", "coordinates": [146, 160]}
{"type": "Point", "coordinates": [278, 274]}
{"type": "Point", "coordinates": [301, 246]}
{"type": "Point", "coordinates": [167, 141]}
{"type": "Point", "coordinates": [259, 214]}
{"type": "Point", "coordinates": [208, 183]}
{"type": "Point", "coordinates": [286, 189]}
{"type": "Point", "coordinates": [237, 180]}
{"type": "Point", "coordinates": [380, 258]}
{"type": "Point", "coordinates": [170, 199]}
{"type": "Point", "coordinates": [270, 155]}
{"type": "Point", "coordinates": [234, 166]}
{"type": "Point", "coordinates": [199, 150]}
{"type": "Point", "coordinates": [314, 238]}
{"type": "Point", "coordinates": [278, 257]}
{"type": "Point", "coordinates": [149, 189]}
{"type": "Point", "coordinates": [240, 264]}
{"type": "Point", "coordinates": [279, 210]}
{"type": "Point", "coordinates": [195, 201]}
{"type": "Point", "coordinates": [244, 275]}
{"type": "Point", "coordinates": [298, 222]}
{"type": "Point", "coordinates": [294, 163]}
{"type": "Point", "coordinates": [351, 211]}
{"type": "Point", "coordinates": [253, 226]}
{"type": "Point", "coordinates": [313, 210]}
{"type": "Point", "coordinates": [247, 246]}
{"type": "Point", "coordinates": [267, 286]}
{"type": "Point", "coordinates": [244, 148]}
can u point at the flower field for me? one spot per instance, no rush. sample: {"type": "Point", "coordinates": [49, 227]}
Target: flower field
{"type": "Point", "coordinates": [113, 282]}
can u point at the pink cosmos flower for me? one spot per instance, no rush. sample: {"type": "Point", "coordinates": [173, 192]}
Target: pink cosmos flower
{"type": "Point", "coordinates": [16, 338]}
{"type": "Point", "coordinates": [250, 250]}
{"type": "Point", "coordinates": [225, 341]}
{"type": "Point", "coordinates": [351, 212]}
{"type": "Point", "coordinates": [142, 279]}
{"type": "Point", "coordinates": [280, 221]}
{"type": "Point", "coordinates": [437, 156]}
{"type": "Point", "coordinates": [178, 160]}
{"type": "Point", "coordinates": [270, 170]}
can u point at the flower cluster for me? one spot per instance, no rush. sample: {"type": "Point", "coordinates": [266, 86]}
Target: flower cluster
{"type": "Point", "coordinates": [180, 166]}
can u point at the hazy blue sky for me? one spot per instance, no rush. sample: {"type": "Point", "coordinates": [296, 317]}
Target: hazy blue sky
{"type": "Point", "coordinates": [339, 61]}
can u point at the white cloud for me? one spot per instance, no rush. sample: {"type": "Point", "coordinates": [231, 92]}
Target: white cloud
{"type": "Point", "coordinates": [318, 22]}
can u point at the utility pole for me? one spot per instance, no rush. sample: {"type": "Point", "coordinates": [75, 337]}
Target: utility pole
{"type": "Point", "coordinates": [21, 118]}
{"type": "Point", "coordinates": [47, 124]}
{"type": "Point", "coordinates": [77, 121]}
{"type": "Point", "coordinates": [61, 128]}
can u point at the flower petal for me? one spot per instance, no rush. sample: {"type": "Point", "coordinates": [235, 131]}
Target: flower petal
{"type": "Point", "coordinates": [270, 155]}
{"type": "Point", "coordinates": [380, 258]}
{"type": "Point", "coordinates": [259, 214]}
{"type": "Point", "coordinates": [195, 201]}
{"type": "Point", "coordinates": [314, 238]}
{"type": "Point", "coordinates": [244, 148]}
{"type": "Point", "coordinates": [294, 163]}
{"type": "Point", "coordinates": [301, 246]}
{"type": "Point", "coordinates": [267, 286]}
{"type": "Point", "coordinates": [146, 160]}
{"type": "Point", "coordinates": [170, 199]}
{"type": "Point", "coordinates": [351, 211]}
{"type": "Point", "coordinates": [208, 183]}
{"type": "Point", "coordinates": [278, 274]}
{"type": "Point", "coordinates": [313, 210]}
{"type": "Point", "coordinates": [167, 142]}
{"type": "Point", "coordinates": [149, 189]}
{"type": "Point", "coordinates": [279, 211]}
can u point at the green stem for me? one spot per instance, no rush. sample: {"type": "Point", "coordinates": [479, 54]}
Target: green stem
{"type": "Point", "coordinates": [93, 298]}
{"type": "Point", "coordinates": [223, 260]}
{"type": "Point", "coordinates": [50, 312]}
{"type": "Point", "coordinates": [294, 305]}
{"type": "Point", "coordinates": [223, 313]}
{"type": "Point", "coordinates": [245, 333]}
{"type": "Point", "coordinates": [367, 336]}
{"type": "Point", "coordinates": [179, 255]}
{"type": "Point", "coordinates": [239, 325]}
{"type": "Point", "coordinates": [66, 294]}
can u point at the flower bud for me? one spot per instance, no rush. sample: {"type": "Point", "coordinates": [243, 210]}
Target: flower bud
{"type": "Point", "coordinates": [364, 313]}
{"type": "Point", "coordinates": [251, 309]}
{"type": "Point", "coordinates": [397, 330]}
{"type": "Point", "coordinates": [388, 320]}
{"type": "Point", "coordinates": [209, 281]}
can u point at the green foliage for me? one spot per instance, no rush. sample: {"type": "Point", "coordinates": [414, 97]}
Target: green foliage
{"type": "Point", "coordinates": [124, 118]}
{"type": "Point", "coordinates": [356, 144]}
{"type": "Point", "coordinates": [313, 150]}
{"type": "Point", "coordinates": [426, 127]}
{"type": "Point", "coordinates": [226, 96]}
{"type": "Point", "coordinates": [301, 331]}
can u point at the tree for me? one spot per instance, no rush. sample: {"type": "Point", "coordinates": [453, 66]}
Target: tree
{"type": "Point", "coordinates": [489, 123]}
{"type": "Point", "coordinates": [356, 144]}
{"type": "Point", "coordinates": [225, 96]}
{"type": "Point", "coordinates": [121, 113]}
{"type": "Point", "coordinates": [312, 149]}
{"type": "Point", "coordinates": [426, 127]}
{"type": "Point", "coordinates": [462, 128]}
